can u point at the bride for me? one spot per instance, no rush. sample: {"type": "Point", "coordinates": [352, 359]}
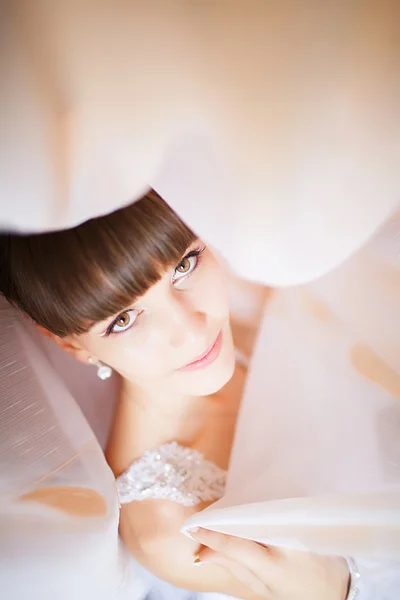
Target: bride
{"type": "Point", "coordinates": [136, 292]}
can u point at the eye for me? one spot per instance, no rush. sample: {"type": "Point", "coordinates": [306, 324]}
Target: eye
{"type": "Point", "coordinates": [124, 321]}
{"type": "Point", "coordinates": [186, 266]}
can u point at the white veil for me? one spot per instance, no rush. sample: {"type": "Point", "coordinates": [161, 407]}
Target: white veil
{"type": "Point", "coordinates": [274, 131]}
{"type": "Point", "coordinates": [267, 125]}
{"type": "Point", "coordinates": [58, 507]}
{"type": "Point", "coordinates": [316, 460]}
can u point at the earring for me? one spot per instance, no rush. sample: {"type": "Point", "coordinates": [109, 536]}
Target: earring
{"type": "Point", "coordinates": [103, 371]}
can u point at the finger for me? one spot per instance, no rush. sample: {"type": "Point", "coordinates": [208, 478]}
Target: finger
{"type": "Point", "coordinates": [238, 571]}
{"type": "Point", "coordinates": [247, 553]}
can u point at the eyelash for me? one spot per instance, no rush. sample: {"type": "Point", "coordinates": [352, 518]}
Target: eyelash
{"type": "Point", "coordinates": [194, 253]}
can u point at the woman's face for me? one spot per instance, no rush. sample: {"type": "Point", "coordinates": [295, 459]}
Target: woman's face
{"type": "Point", "coordinates": [176, 338]}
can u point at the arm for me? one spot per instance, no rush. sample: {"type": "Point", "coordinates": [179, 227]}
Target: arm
{"type": "Point", "coordinates": [294, 575]}
{"type": "Point", "coordinates": [150, 530]}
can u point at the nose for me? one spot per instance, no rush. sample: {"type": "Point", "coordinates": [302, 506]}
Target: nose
{"type": "Point", "coordinates": [182, 321]}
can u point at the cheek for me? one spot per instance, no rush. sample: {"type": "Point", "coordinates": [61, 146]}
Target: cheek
{"type": "Point", "coordinates": [211, 293]}
{"type": "Point", "coordinates": [135, 359]}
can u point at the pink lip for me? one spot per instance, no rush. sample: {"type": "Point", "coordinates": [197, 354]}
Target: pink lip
{"type": "Point", "coordinates": [207, 358]}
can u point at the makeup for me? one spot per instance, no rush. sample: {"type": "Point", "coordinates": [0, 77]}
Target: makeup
{"type": "Point", "coordinates": [206, 359]}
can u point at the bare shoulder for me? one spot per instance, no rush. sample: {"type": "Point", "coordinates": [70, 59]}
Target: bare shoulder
{"type": "Point", "coordinates": [132, 432]}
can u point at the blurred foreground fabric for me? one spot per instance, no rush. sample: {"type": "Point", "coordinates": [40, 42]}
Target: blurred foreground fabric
{"type": "Point", "coordinates": [272, 128]}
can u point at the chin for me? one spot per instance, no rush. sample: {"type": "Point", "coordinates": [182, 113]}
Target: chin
{"type": "Point", "coordinates": [210, 380]}
{"type": "Point", "coordinates": [214, 384]}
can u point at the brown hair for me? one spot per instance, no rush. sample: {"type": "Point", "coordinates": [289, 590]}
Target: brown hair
{"type": "Point", "coordinates": [68, 280]}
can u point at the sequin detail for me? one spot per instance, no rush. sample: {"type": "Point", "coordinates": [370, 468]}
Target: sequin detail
{"type": "Point", "coordinates": [172, 472]}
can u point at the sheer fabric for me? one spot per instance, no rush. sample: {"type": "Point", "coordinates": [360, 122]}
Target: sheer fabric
{"type": "Point", "coordinates": [58, 505]}
{"type": "Point", "coordinates": [267, 125]}
{"type": "Point", "coordinates": [318, 433]}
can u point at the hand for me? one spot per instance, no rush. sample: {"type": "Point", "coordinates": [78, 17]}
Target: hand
{"type": "Point", "coordinates": [275, 573]}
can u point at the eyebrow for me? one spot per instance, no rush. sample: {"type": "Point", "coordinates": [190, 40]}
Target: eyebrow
{"type": "Point", "coordinates": [187, 252]}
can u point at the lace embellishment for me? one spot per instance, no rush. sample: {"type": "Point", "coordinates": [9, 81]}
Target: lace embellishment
{"type": "Point", "coordinates": [354, 590]}
{"type": "Point", "coordinates": [172, 472]}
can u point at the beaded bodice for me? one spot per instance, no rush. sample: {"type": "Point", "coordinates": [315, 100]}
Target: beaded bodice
{"type": "Point", "coordinates": [172, 472]}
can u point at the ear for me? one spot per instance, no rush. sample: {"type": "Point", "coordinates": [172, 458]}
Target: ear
{"type": "Point", "coordinates": [69, 344]}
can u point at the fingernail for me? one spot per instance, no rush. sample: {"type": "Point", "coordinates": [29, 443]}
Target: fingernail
{"type": "Point", "coordinates": [194, 530]}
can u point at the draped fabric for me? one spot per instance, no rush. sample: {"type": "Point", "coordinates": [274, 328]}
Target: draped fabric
{"type": "Point", "coordinates": [316, 460]}
{"type": "Point", "coordinates": [58, 506]}
{"type": "Point", "coordinates": [273, 130]}
{"type": "Point", "coordinates": [272, 127]}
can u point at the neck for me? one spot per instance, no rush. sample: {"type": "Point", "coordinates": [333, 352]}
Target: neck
{"type": "Point", "coordinates": [168, 403]}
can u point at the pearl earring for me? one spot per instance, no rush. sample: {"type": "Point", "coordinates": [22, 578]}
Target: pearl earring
{"type": "Point", "coordinates": [103, 371]}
